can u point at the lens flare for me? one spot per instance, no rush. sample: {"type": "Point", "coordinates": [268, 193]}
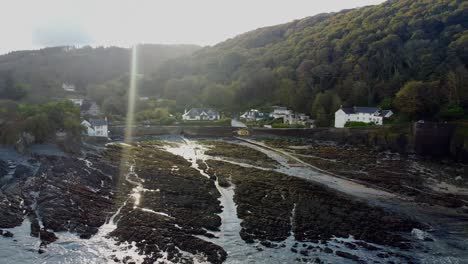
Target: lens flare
{"type": "Point", "coordinates": [126, 152]}
{"type": "Point", "coordinates": [132, 91]}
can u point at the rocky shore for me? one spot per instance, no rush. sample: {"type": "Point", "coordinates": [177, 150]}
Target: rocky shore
{"type": "Point", "coordinates": [287, 206]}
{"type": "Point", "coordinates": [164, 208]}
{"type": "Point", "coordinates": [434, 182]}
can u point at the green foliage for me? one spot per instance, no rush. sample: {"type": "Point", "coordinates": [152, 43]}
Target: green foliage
{"type": "Point", "coordinates": [324, 107]}
{"type": "Point", "coordinates": [16, 92]}
{"type": "Point", "coordinates": [358, 124]}
{"type": "Point", "coordinates": [451, 113]}
{"type": "Point", "coordinates": [281, 125]}
{"type": "Point", "coordinates": [222, 122]}
{"type": "Point", "coordinates": [386, 104]}
{"type": "Point", "coordinates": [42, 121]}
{"type": "Point", "coordinates": [44, 71]}
{"type": "Point", "coordinates": [155, 114]}
{"type": "Point", "coordinates": [354, 57]}
{"type": "Point", "coordinates": [417, 99]}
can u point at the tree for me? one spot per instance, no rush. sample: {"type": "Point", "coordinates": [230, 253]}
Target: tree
{"type": "Point", "coordinates": [11, 90]}
{"type": "Point", "coordinates": [324, 106]}
{"type": "Point", "coordinates": [416, 99]}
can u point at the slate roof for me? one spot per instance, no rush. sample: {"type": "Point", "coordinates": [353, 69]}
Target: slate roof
{"type": "Point", "coordinates": [348, 110]}
{"type": "Point", "coordinates": [385, 112]}
{"type": "Point", "coordinates": [98, 122]}
{"type": "Point", "coordinates": [280, 108]}
{"type": "Point", "coordinates": [365, 110]}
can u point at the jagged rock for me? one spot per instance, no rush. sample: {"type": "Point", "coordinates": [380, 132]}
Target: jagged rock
{"type": "Point", "coordinates": [350, 245]}
{"type": "Point", "coordinates": [366, 245]}
{"type": "Point", "coordinates": [86, 236]}
{"type": "Point", "coordinates": [7, 234]}
{"type": "Point", "coordinates": [421, 235]}
{"type": "Point", "coordinates": [47, 237]}
{"type": "Point", "coordinates": [346, 255]}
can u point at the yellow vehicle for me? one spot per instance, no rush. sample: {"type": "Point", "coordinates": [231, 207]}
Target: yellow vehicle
{"type": "Point", "coordinates": [243, 132]}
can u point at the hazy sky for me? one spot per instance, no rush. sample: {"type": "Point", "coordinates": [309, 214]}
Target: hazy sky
{"type": "Point", "coordinates": [27, 24]}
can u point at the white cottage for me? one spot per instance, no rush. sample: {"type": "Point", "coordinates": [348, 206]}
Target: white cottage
{"type": "Point", "coordinates": [77, 101]}
{"type": "Point", "coordinates": [253, 115]}
{"type": "Point", "coordinates": [280, 112]}
{"type": "Point", "coordinates": [197, 114]}
{"type": "Point", "coordinates": [69, 87]}
{"type": "Point", "coordinates": [96, 127]}
{"type": "Point", "coordinates": [361, 114]}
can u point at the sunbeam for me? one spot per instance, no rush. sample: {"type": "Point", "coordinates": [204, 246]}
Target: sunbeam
{"type": "Point", "coordinates": [132, 91]}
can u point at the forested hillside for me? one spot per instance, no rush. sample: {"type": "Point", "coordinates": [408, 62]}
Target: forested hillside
{"type": "Point", "coordinates": [407, 54]}
{"type": "Point", "coordinates": [41, 73]}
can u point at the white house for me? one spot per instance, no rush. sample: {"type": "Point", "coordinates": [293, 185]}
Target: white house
{"type": "Point", "coordinates": [69, 87]}
{"type": "Point", "coordinates": [280, 112]}
{"type": "Point", "coordinates": [253, 115]}
{"type": "Point", "coordinates": [361, 114]}
{"type": "Point", "coordinates": [201, 114]}
{"type": "Point", "coordinates": [76, 101]}
{"type": "Point", "coordinates": [96, 127]}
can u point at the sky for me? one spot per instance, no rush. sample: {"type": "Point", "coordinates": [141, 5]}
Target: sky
{"type": "Point", "coordinates": [32, 24]}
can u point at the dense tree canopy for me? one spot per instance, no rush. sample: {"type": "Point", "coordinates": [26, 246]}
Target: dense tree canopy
{"type": "Point", "coordinates": [41, 121]}
{"type": "Point", "coordinates": [358, 57]}
{"type": "Point", "coordinates": [43, 71]}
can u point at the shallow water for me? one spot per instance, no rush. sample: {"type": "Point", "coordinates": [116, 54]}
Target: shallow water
{"type": "Point", "coordinates": [228, 237]}
{"type": "Point", "coordinates": [70, 249]}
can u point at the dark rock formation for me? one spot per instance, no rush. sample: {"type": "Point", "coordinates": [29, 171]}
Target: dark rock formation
{"type": "Point", "coordinates": [346, 255]}
{"type": "Point", "coordinates": [178, 205]}
{"type": "Point", "coordinates": [318, 213]}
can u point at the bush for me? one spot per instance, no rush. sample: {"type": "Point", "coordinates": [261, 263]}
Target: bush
{"type": "Point", "coordinates": [451, 113]}
{"type": "Point", "coordinates": [358, 124]}
{"type": "Point", "coordinates": [281, 125]}
{"type": "Point", "coordinates": [221, 122]}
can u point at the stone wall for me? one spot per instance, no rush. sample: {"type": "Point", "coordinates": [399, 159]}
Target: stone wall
{"type": "Point", "coordinates": [202, 131]}
{"type": "Point", "coordinates": [430, 139]}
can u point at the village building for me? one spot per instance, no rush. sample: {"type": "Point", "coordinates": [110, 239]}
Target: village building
{"type": "Point", "coordinates": [69, 87]}
{"type": "Point", "coordinates": [76, 101]}
{"type": "Point", "coordinates": [299, 119]}
{"type": "Point", "coordinates": [96, 127]}
{"type": "Point", "coordinates": [201, 114]}
{"type": "Point", "coordinates": [280, 112]}
{"type": "Point", "coordinates": [361, 114]}
{"type": "Point", "coordinates": [254, 115]}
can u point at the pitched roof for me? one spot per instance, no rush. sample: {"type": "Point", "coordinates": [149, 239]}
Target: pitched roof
{"type": "Point", "coordinates": [386, 112]}
{"type": "Point", "coordinates": [98, 122]}
{"type": "Point", "coordinates": [348, 110]}
{"type": "Point", "coordinates": [199, 111]}
{"type": "Point", "coordinates": [280, 108]}
{"type": "Point", "coordinates": [365, 110]}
